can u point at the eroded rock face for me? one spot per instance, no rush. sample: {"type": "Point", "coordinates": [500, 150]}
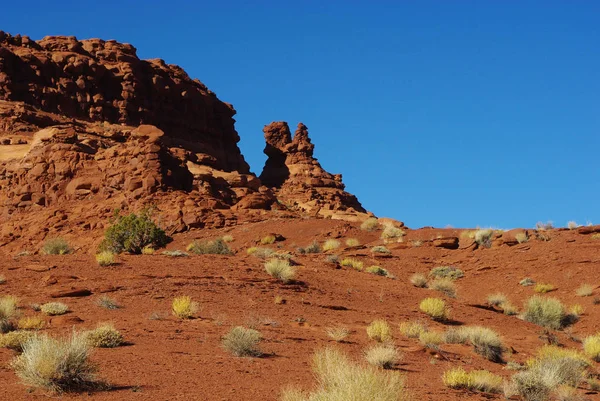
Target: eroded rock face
{"type": "Point", "coordinates": [297, 177]}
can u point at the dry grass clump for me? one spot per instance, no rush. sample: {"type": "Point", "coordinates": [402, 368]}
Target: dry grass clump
{"type": "Point", "coordinates": [521, 238]}
{"type": "Point", "coordinates": [106, 258]}
{"type": "Point", "coordinates": [56, 365]}
{"type": "Point", "coordinates": [353, 263]}
{"type": "Point", "coordinates": [485, 341]}
{"type": "Point", "coordinates": [435, 307]}
{"type": "Point", "coordinates": [261, 253]}
{"type": "Point", "coordinates": [382, 355]}
{"type": "Point", "coordinates": [175, 253]}
{"type": "Point", "coordinates": [15, 339]}
{"type": "Point", "coordinates": [314, 247]}
{"type": "Point", "coordinates": [241, 341]}
{"type": "Point", "coordinates": [571, 225]}
{"type": "Point", "coordinates": [418, 280]}
{"type": "Point", "coordinates": [352, 242]}
{"type": "Point", "coordinates": [379, 330]}
{"type": "Point", "coordinates": [509, 309]}
{"type": "Point", "coordinates": [107, 302]}
{"type": "Point", "coordinates": [596, 236]}
{"type": "Point", "coordinates": [431, 339]}
{"type": "Point", "coordinates": [338, 333]}
{"type": "Point", "coordinates": [541, 226]}
{"type": "Point", "coordinates": [213, 247]}
{"type": "Point", "coordinates": [370, 224]}
{"type": "Point", "coordinates": [483, 237]}
{"type": "Point", "coordinates": [585, 290]}
{"type": "Point", "coordinates": [391, 232]}
{"type": "Point", "coordinates": [450, 272]}
{"type": "Point", "coordinates": [54, 308]}
{"type": "Point", "coordinates": [2, 279]}
{"type": "Point", "coordinates": [56, 246]}
{"type": "Point", "coordinates": [227, 238]}
{"type": "Point", "coordinates": [496, 299]}
{"type": "Point", "coordinates": [547, 312]}
{"type": "Point", "coordinates": [477, 380]}
{"type": "Point", "coordinates": [543, 288]}
{"type": "Point", "coordinates": [148, 250]}
{"type": "Point", "coordinates": [591, 347]}
{"type": "Point", "coordinates": [377, 270]}
{"type": "Point", "coordinates": [183, 307]}
{"type": "Point", "coordinates": [31, 323]}
{"type": "Point", "coordinates": [339, 379]}
{"type": "Point", "coordinates": [456, 336]}
{"type": "Point", "coordinates": [381, 250]}
{"type": "Point", "coordinates": [444, 285]}
{"type": "Point", "coordinates": [526, 282]}
{"type": "Point", "coordinates": [104, 336]}
{"type": "Point", "coordinates": [268, 239]}
{"type": "Point", "coordinates": [412, 329]}
{"type": "Point", "coordinates": [8, 311]}
{"type": "Point", "coordinates": [280, 269]}
{"type": "Point", "coordinates": [331, 244]}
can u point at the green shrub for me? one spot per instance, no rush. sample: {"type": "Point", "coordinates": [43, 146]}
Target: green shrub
{"type": "Point", "coordinates": [132, 233]}
{"type": "Point", "coordinates": [280, 269]}
{"type": "Point", "coordinates": [214, 247]}
{"type": "Point", "coordinates": [241, 341]}
{"type": "Point", "coordinates": [450, 272]}
{"type": "Point", "coordinates": [56, 246]}
{"type": "Point", "coordinates": [104, 336]}
{"type": "Point", "coordinates": [370, 224]}
{"type": "Point", "coordinates": [382, 355]}
{"type": "Point", "coordinates": [56, 365]}
{"type": "Point", "coordinates": [547, 312]}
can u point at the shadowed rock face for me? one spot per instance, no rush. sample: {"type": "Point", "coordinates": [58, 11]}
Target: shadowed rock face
{"type": "Point", "coordinates": [87, 127]}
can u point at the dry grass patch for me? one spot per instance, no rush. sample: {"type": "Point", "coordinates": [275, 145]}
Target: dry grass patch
{"type": "Point", "coordinates": [585, 290]}
{"type": "Point", "coordinates": [313, 247]}
{"type": "Point", "coordinates": [104, 336]}
{"type": "Point", "coordinates": [148, 250]}
{"type": "Point", "coordinates": [338, 333]}
{"type": "Point", "coordinates": [444, 285]}
{"type": "Point", "coordinates": [241, 341]}
{"type": "Point", "coordinates": [107, 302]}
{"type": "Point", "coordinates": [268, 239]}
{"type": "Point", "coordinates": [477, 380]}
{"type": "Point", "coordinates": [15, 340]}
{"type": "Point", "coordinates": [496, 299]}
{"type": "Point", "coordinates": [353, 263]}
{"type": "Point", "coordinates": [280, 269]}
{"type": "Point", "coordinates": [106, 258]}
{"type": "Point", "coordinates": [435, 307]}
{"type": "Point", "coordinates": [56, 246]}
{"type": "Point", "coordinates": [412, 329]}
{"type": "Point", "coordinates": [431, 339]}
{"type": "Point", "coordinates": [8, 310]}
{"type": "Point", "coordinates": [183, 307]}
{"type": "Point", "coordinates": [213, 247]}
{"type": "Point", "coordinates": [591, 347]}
{"type": "Point", "coordinates": [418, 280]}
{"type": "Point", "coordinates": [382, 355]}
{"type": "Point", "coordinates": [380, 250]}
{"type": "Point", "coordinates": [391, 232]}
{"type": "Point", "coordinates": [31, 323]}
{"type": "Point", "coordinates": [378, 271]}
{"type": "Point", "coordinates": [331, 244]}
{"type": "Point", "coordinates": [379, 330]}
{"type": "Point", "coordinates": [521, 238]}
{"type": "Point", "coordinates": [485, 341]}
{"type": "Point", "coordinates": [54, 308]}
{"type": "Point", "coordinates": [547, 312]}
{"type": "Point", "coordinates": [483, 237]}
{"type": "Point", "coordinates": [450, 272]}
{"type": "Point", "coordinates": [526, 282]}
{"type": "Point", "coordinates": [543, 288]}
{"type": "Point", "coordinates": [370, 224]}
{"type": "Point", "coordinates": [352, 242]}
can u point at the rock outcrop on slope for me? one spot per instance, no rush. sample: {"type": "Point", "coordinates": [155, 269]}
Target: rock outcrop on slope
{"type": "Point", "coordinates": [87, 127]}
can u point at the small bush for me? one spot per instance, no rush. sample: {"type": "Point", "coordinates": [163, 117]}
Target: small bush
{"type": "Point", "coordinates": [381, 250]}
{"type": "Point", "coordinates": [450, 272]}
{"type": "Point", "coordinates": [227, 238]}
{"type": "Point", "coordinates": [106, 258]}
{"type": "Point", "coordinates": [370, 224]}
{"type": "Point", "coordinates": [486, 342]}
{"type": "Point", "coordinates": [380, 331]}
{"type": "Point", "coordinates": [585, 290]}
{"type": "Point", "coordinates": [377, 270]}
{"type": "Point", "coordinates": [176, 253]}
{"type": "Point", "coordinates": [547, 312]}
{"type": "Point", "coordinates": [575, 311]}
{"type": "Point", "coordinates": [339, 379]}
{"type": "Point", "coordinates": [104, 336]}
{"type": "Point", "coordinates": [8, 307]}
{"type": "Point", "coordinates": [456, 336]}
{"type": "Point", "coordinates": [56, 246]}
{"type": "Point", "coordinates": [353, 263]}
{"type": "Point", "coordinates": [521, 238]}
{"type": "Point", "coordinates": [434, 307]}
{"type": "Point", "coordinates": [280, 269]}
{"type": "Point", "coordinates": [526, 282]}
{"type": "Point", "coordinates": [445, 286]}
{"type": "Point", "coordinates": [268, 239]}
{"type": "Point", "coordinates": [241, 341]}
{"type": "Point", "coordinates": [412, 329]}
{"type": "Point", "coordinates": [418, 280]}
{"type": "Point", "coordinates": [15, 339]}
{"type": "Point", "coordinates": [132, 233]}
{"type": "Point", "coordinates": [496, 299]}
{"type": "Point", "coordinates": [314, 247]}
{"type": "Point", "coordinates": [338, 334]}
{"type": "Point", "coordinates": [148, 250]}
{"type": "Point", "coordinates": [478, 380]}
{"type": "Point", "coordinates": [183, 307]}
{"type": "Point", "coordinates": [484, 237]}
{"type": "Point", "coordinates": [31, 323]}
{"type": "Point", "coordinates": [107, 302]}
{"type": "Point", "coordinates": [331, 244]}
{"type": "Point", "coordinates": [352, 242]}
{"type": "Point", "coordinates": [431, 339]}
{"type": "Point", "coordinates": [543, 288]}
{"type": "Point", "coordinates": [382, 355]}
{"type": "Point", "coordinates": [56, 365]}
{"type": "Point", "coordinates": [54, 308]}
{"type": "Point", "coordinates": [261, 253]}
{"type": "Point", "coordinates": [591, 347]}
{"type": "Point", "coordinates": [214, 247]}
{"type": "Point", "coordinates": [509, 309]}
{"type": "Point", "coordinates": [391, 232]}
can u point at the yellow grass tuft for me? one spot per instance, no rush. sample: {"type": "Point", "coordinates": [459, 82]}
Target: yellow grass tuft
{"type": "Point", "coordinates": [31, 323]}
{"type": "Point", "coordinates": [106, 258]}
{"type": "Point", "coordinates": [543, 288]}
{"type": "Point", "coordinates": [412, 329]}
{"type": "Point", "coordinates": [280, 269]}
{"type": "Point", "coordinates": [331, 244]}
{"type": "Point", "coordinates": [435, 307]}
{"type": "Point", "coordinates": [479, 380]}
{"type": "Point", "coordinates": [353, 263]}
{"type": "Point", "coordinates": [380, 331]}
{"type": "Point", "coordinates": [54, 308]}
{"type": "Point", "coordinates": [183, 307]}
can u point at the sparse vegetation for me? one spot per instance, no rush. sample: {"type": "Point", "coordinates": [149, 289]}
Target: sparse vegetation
{"type": "Point", "coordinates": [54, 308]}
{"type": "Point", "coordinates": [370, 224]}
{"type": "Point", "coordinates": [377, 270]}
{"type": "Point", "coordinates": [31, 323]}
{"type": "Point", "coordinates": [571, 225]}
{"type": "Point", "coordinates": [352, 242]}
{"type": "Point", "coordinates": [183, 307]}
{"type": "Point", "coordinates": [381, 250]}
{"type": "Point", "coordinates": [547, 312]}
{"type": "Point", "coordinates": [56, 365]}
{"type": "Point", "coordinates": [331, 244]}
{"type": "Point", "coordinates": [391, 232]}
{"type": "Point", "coordinates": [148, 250]}
{"type": "Point", "coordinates": [335, 259]}
{"type": "Point", "coordinates": [15, 339]}
{"type": "Point", "coordinates": [541, 226]}
{"type": "Point", "coordinates": [339, 379]}
{"type": "Point", "coordinates": [382, 355]}
{"type": "Point", "coordinates": [444, 285]}
{"type": "Point", "coordinates": [314, 247]}
{"type": "Point", "coordinates": [353, 263]}
{"type": "Point", "coordinates": [176, 253]}
{"type": "Point", "coordinates": [268, 239]}
{"type": "Point", "coordinates": [8, 311]}
{"type": "Point", "coordinates": [456, 336]}
{"type": "Point", "coordinates": [543, 288]}
{"type": "Point", "coordinates": [412, 329]}
{"type": "Point", "coordinates": [2, 279]}
{"type": "Point", "coordinates": [338, 333]}
{"type": "Point", "coordinates": [106, 258]}
{"type": "Point", "coordinates": [379, 330]}
{"type": "Point", "coordinates": [485, 341]}
{"type": "Point", "coordinates": [213, 247]}
{"type": "Point", "coordinates": [483, 237]}
{"type": "Point", "coordinates": [280, 269]}
{"type": "Point", "coordinates": [496, 299]}
{"type": "Point", "coordinates": [227, 238]}
{"type": "Point", "coordinates": [591, 347]}
{"type": "Point", "coordinates": [107, 302]}
{"type": "Point", "coordinates": [241, 341]}
{"type": "Point", "coordinates": [431, 339]}
{"type": "Point", "coordinates": [435, 307]}
{"type": "Point", "coordinates": [526, 282]}
{"type": "Point", "coordinates": [478, 380]}
{"type": "Point", "coordinates": [585, 290]}
{"type": "Point", "coordinates": [261, 253]}
{"type": "Point", "coordinates": [418, 280]}
{"type": "Point", "coordinates": [132, 233]}
{"type": "Point", "coordinates": [450, 272]}
{"type": "Point", "coordinates": [56, 246]}
{"type": "Point", "coordinates": [104, 336]}
{"type": "Point", "coordinates": [521, 238]}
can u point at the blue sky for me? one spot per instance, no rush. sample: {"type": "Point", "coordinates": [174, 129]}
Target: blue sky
{"type": "Point", "coordinates": [462, 113]}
